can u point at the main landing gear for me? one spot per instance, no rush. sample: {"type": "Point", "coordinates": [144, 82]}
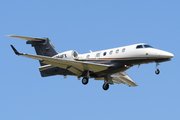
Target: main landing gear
{"type": "Point", "coordinates": [105, 86]}
{"type": "Point", "coordinates": [157, 70]}
{"type": "Point", "coordinates": [85, 81]}
{"type": "Point", "coordinates": [107, 81]}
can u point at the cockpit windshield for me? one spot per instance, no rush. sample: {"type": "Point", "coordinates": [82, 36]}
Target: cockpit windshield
{"type": "Point", "coordinates": [143, 46]}
{"type": "Point", "coordinates": [139, 46]}
{"type": "Point", "coordinates": [148, 46]}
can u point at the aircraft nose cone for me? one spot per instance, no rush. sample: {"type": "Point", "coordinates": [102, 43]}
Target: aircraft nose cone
{"type": "Point", "coordinates": [170, 55]}
{"type": "Point", "coordinates": [167, 54]}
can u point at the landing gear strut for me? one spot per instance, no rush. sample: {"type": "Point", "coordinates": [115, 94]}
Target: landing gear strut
{"type": "Point", "coordinates": [157, 70]}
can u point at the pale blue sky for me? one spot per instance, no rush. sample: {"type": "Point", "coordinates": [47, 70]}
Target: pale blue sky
{"type": "Point", "coordinates": [89, 25]}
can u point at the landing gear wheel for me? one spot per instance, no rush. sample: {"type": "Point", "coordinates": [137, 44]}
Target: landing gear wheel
{"type": "Point", "coordinates": [85, 81]}
{"type": "Point", "coordinates": [157, 71]}
{"type": "Point", "coordinates": [105, 86]}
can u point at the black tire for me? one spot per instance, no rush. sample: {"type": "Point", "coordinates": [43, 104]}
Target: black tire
{"type": "Point", "coordinates": [85, 81]}
{"type": "Point", "coordinates": [157, 72]}
{"type": "Point", "coordinates": [105, 86]}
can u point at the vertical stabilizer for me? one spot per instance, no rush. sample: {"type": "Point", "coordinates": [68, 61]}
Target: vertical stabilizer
{"type": "Point", "coordinates": [42, 46]}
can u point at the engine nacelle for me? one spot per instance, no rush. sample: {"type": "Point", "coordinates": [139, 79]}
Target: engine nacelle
{"type": "Point", "coordinates": [72, 54]}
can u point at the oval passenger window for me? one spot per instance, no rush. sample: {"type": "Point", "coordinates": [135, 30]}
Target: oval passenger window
{"type": "Point", "coordinates": [123, 50]}
{"type": "Point", "coordinates": [110, 52]}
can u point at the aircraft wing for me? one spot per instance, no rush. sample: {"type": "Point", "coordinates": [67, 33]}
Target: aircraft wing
{"type": "Point", "coordinates": [76, 67]}
{"type": "Point", "coordinates": [122, 77]}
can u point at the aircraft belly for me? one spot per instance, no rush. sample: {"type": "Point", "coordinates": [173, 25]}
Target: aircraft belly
{"type": "Point", "coordinates": [119, 66]}
{"type": "Point", "coordinates": [111, 71]}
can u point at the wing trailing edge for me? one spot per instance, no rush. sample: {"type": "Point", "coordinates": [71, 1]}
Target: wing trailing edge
{"type": "Point", "coordinates": [121, 77]}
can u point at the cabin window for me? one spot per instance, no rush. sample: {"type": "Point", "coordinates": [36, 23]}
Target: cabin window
{"type": "Point", "coordinates": [88, 56]}
{"type": "Point", "coordinates": [117, 51]}
{"type": "Point", "coordinates": [104, 53]}
{"type": "Point", "coordinates": [123, 50]}
{"type": "Point", "coordinates": [98, 55]}
{"type": "Point", "coordinates": [111, 52]}
{"type": "Point", "coordinates": [139, 46]}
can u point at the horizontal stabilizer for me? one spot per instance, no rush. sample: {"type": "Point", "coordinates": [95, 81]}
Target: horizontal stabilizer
{"type": "Point", "coordinates": [26, 38]}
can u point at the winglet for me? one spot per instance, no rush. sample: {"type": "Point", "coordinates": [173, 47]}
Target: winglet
{"type": "Point", "coordinates": [15, 51]}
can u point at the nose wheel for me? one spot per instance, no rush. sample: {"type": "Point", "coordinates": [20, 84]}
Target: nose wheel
{"type": "Point", "coordinates": [157, 72]}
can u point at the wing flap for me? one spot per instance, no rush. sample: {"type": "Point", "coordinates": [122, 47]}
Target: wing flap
{"type": "Point", "coordinates": [70, 68]}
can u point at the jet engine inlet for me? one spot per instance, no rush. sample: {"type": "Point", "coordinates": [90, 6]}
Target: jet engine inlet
{"type": "Point", "coordinates": [72, 54]}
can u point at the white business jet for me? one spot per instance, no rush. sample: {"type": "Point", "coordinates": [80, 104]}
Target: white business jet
{"type": "Point", "coordinates": [107, 65]}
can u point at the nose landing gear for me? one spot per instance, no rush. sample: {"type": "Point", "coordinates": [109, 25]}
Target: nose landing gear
{"type": "Point", "coordinates": [157, 70]}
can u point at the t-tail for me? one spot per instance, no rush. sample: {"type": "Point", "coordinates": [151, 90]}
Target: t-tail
{"type": "Point", "coordinates": [42, 46]}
